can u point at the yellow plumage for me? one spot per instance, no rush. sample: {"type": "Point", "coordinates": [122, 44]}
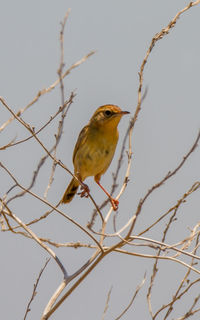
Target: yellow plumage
{"type": "Point", "coordinates": [95, 148]}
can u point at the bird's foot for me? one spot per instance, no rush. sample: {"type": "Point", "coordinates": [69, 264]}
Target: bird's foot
{"type": "Point", "coordinates": [114, 203]}
{"type": "Point", "coordinates": [85, 192]}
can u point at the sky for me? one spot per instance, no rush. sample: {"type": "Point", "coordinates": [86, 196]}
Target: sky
{"type": "Point", "coordinates": [120, 34]}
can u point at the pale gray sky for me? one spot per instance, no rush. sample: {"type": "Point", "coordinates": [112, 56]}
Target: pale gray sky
{"type": "Point", "coordinates": [120, 32]}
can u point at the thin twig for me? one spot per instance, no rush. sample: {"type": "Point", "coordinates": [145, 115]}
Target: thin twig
{"type": "Point", "coordinates": [50, 205]}
{"type": "Point", "coordinates": [47, 90]}
{"type": "Point", "coordinates": [34, 289]}
{"type": "Point", "coordinates": [60, 109]}
{"type": "Point", "coordinates": [132, 299]}
{"type": "Point", "coordinates": [8, 144]}
{"type": "Point", "coordinates": [194, 188]}
{"type": "Point", "coordinates": [59, 162]}
{"type": "Point", "coordinates": [65, 107]}
{"type": "Point", "coordinates": [33, 235]}
{"type": "Point", "coordinates": [64, 112]}
{"type": "Point", "coordinates": [107, 304]}
{"type": "Point", "coordinates": [191, 312]}
{"type": "Point", "coordinates": [162, 181]}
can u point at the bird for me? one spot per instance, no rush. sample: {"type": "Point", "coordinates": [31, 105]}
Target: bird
{"type": "Point", "coordinates": [94, 151]}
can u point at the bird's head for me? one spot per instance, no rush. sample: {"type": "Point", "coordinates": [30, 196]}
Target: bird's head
{"type": "Point", "coordinates": [107, 116]}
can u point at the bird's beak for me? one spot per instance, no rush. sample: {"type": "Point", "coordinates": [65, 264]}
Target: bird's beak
{"type": "Point", "coordinates": [124, 112]}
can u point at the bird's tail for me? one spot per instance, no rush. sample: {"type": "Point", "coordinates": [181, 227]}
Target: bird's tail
{"type": "Point", "coordinates": [70, 191]}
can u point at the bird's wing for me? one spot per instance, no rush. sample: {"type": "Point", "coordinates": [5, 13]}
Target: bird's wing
{"type": "Point", "coordinates": [81, 140]}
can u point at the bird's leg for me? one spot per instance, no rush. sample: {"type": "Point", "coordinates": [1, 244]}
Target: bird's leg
{"type": "Point", "coordinates": [114, 202]}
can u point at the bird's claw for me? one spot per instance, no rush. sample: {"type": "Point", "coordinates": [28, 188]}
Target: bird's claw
{"type": "Point", "coordinates": [85, 192]}
{"type": "Point", "coordinates": [115, 203]}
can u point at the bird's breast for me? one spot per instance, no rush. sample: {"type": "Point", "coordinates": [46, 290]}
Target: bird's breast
{"type": "Point", "coordinates": [95, 155]}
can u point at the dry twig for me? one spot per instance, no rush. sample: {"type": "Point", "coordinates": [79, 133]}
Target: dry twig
{"type": "Point", "coordinates": [107, 304]}
{"type": "Point", "coordinates": [132, 299]}
{"type": "Point", "coordinates": [34, 289]}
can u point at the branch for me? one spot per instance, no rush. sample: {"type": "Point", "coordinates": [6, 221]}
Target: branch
{"type": "Point", "coordinates": [133, 298]}
{"type": "Point", "coordinates": [34, 289]}
{"type": "Point", "coordinates": [28, 127]}
{"type": "Point", "coordinates": [161, 182]}
{"type": "Point", "coordinates": [50, 205]}
{"type": "Point", "coordinates": [47, 90]}
{"type": "Point", "coordinates": [107, 304]}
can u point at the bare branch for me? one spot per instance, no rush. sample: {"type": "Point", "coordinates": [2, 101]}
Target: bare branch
{"type": "Point", "coordinates": [162, 181]}
{"type": "Point", "coordinates": [107, 303]}
{"type": "Point", "coordinates": [194, 188]}
{"type": "Point", "coordinates": [33, 236]}
{"type": "Point", "coordinates": [191, 312]}
{"type": "Point", "coordinates": [132, 299]}
{"type": "Point", "coordinates": [34, 289]}
{"type": "Point", "coordinates": [47, 90]}
{"type": "Point", "coordinates": [50, 205]}
{"type": "Point", "coordinates": [60, 109]}
{"type": "Point", "coordinates": [61, 123]}
{"type": "Point", "coordinates": [8, 144]}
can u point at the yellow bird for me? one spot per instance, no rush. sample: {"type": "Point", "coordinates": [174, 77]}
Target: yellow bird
{"type": "Point", "coordinates": [94, 150]}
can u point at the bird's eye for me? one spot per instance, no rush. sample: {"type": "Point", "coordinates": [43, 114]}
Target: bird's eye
{"type": "Point", "coordinates": [107, 113]}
